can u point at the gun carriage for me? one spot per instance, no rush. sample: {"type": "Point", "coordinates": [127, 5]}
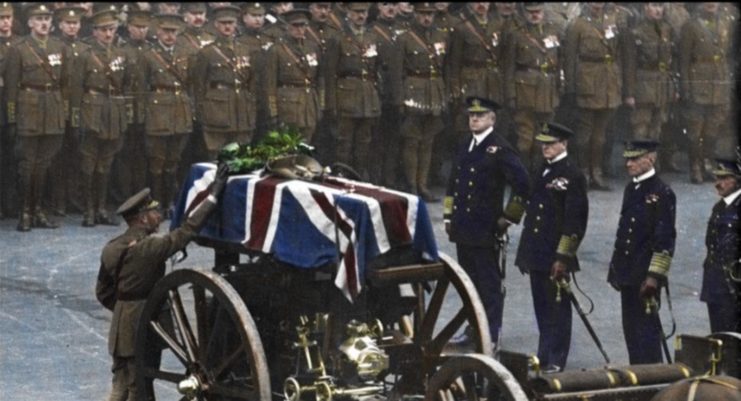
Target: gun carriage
{"type": "Point", "coordinates": [339, 293]}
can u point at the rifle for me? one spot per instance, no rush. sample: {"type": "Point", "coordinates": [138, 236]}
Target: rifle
{"type": "Point", "coordinates": [566, 287]}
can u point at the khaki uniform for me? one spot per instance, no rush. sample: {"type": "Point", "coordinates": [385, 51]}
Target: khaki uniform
{"type": "Point", "coordinates": [294, 85]}
{"type": "Point", "coordinates": [129, 171]}
{"type": "Point", "coordinates": [260, 43]}
{"type": "Point", "coordinates": [194, 39]}
{"type": "Point", "coordinates": [352, 65]}
{"type": "Point", "coordinates": [417, 84]}
{"type": "Point", "coordinates": [648, 76]}
{"type": "Point", "coordinates": [36, 73]}
{"type": "Point", "coordinates": [8, 166]}
{"type": "Point", "coordinates": [105, 114]}
{"type": "Point", "coordinates": [142, 266]}
{"type": "Point", "coordinates": [65, 169]}
{"type": "Point", "coordinates": [705, 84]}
{"type": "Point", "coordinates": [592, 68]}
{"type": "Point", "coordinates": [387, 137]}
{"type": "Point", "coordinates": [532, 81]}
{"type": "Point", "coordinates": [169, 116]}
{"type": "Point", "coordinates": [225, 88]}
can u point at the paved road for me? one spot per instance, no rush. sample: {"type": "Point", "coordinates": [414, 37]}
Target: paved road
{"type": "Point", "coordinates": [53, 332]}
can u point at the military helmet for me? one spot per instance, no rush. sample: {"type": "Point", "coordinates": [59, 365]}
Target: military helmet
{"type": "Point", "coordinates": [300, 167]}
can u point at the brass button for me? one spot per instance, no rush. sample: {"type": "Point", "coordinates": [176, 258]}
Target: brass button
{"type": "Point", "coordinates": [473, 170]}
{"type": "Point", "coordinates": [537, 218]}
{"type": "Point", "coordinates": [540, 205]}
{"type": "Point", "coordinates": [470, 183]}
{"type": "Point", "coordinates": [535, 230]}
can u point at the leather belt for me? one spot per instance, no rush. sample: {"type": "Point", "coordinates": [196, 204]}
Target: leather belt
{"type": "Point", "coordinates": [365, 75]}
{"type": "Point", "coordinates": [425, 76]}
{"type": "Point", "coordinates": [544, 69]}
{"type": "Point", "coordinates": [105, 92]}
{"type": "Point", "coordinates": [167, 89]}
{"type": "Point", "coordinates": [607, 59]}
{"type": "Point", "coordinates": [43, 88]}
{"type": "Point", "coordinates": [661, 66]}
{"type": "Point", "coordinates": [222, 85]}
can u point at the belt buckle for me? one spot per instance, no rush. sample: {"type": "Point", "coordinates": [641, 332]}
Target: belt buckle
{"type": "Point", "coordinates": [608, 59]}
{"type": "Point", "coordinates": [716, 57]}
{"type": "Point", "coordinates": [544, 68]}
{"type": "Point", "coordinates": [177, 88]}
{"type": "Point", "coordinates": [47, 87]}
{"type": "Point", "coordinates": [662, 66]}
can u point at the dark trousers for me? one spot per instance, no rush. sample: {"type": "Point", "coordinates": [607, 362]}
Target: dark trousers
{"type": "Point", "coordinates": [554, 320]}
{"type": "Point", "coordinates": [641, 329]}
{"type": "Point", "coordinates": [724, 315]}
{"type": "Point", "coordinates": [482, 265]}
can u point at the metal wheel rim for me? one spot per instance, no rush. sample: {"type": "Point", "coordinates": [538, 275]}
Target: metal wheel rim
{"type": "Point", "coordinates": [470, 377]}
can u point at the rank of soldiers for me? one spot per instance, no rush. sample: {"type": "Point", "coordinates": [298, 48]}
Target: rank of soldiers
{"type": "Point", "coordinates": [101, 100]}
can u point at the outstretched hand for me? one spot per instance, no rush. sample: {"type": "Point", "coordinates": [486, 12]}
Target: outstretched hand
{"type": "Point", "coordinates": [222, 175]}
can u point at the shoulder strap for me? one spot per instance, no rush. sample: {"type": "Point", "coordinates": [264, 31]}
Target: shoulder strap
{"type": "Point", "coordinates": [382, 33]}
{"type": "Point", "coordinates": [228, 61]}
{"type": "Point", "coordinates": [44, 63]}
{"type": "Point", "coordinates": [105, 67]}
{"type": "Point", "coordinates": [478, 36]}
{"type": "Point", "coordinates": [296, 60]}
{"type": "Point", "coordinates": [421, 42]}
{"type": "Point", "coordinates": [167, 66]}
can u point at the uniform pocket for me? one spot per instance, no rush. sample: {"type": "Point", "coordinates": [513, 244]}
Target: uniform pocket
{"type": "Point", "coordinates": [159, 115]}
{"type": "Point", "coordinates": [92, 112]}
{"type": "Point", "coordinates": [526, 93]}
{"type": "Point", "coordinates": [29, 115]}
{"type": "Point", "coordinates": [216, 110]}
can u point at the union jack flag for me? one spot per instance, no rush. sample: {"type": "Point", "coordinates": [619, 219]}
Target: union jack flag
{"type": "Point", "coordinates": [311, 224]}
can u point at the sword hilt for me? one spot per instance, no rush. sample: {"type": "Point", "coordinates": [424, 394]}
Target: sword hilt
{"type": "Point", "coordinates": [651, 305]}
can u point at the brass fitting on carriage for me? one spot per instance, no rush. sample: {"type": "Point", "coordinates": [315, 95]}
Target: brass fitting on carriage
{"type": "Point", "coordinates": [308, 348]}
{"type": "Point", "coordinates": [361, 356]}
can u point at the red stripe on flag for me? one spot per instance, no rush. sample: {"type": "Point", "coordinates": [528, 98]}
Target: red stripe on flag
{"type": "Point", "coordinates": [200, 197]}
{"type": "Point", "coordinates": [262, 209]}
{"type": "Point", "coordinates": [348, 255]}
{"type": "Point", "coordinates": [394, 209]}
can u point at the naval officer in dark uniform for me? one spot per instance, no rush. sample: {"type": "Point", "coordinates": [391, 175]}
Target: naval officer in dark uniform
{"type": "Point", "coordinates": [643, 251]}
{"type": "Point", "coordinates": [474, 212]}
{"type": "Point", "coordinates": [721, 288]}
{"type": "Point", "coordinates": [555, 223]}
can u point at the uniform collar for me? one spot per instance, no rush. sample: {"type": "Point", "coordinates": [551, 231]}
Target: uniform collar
{"type": "Point", "coordinates": [557, 158]}
{"type": "Point", "coordinates": [732, 197]}
{"type": "Point", "coordinates": [482, 136]}
{"type": "Point", "coordinates": [644, 176]}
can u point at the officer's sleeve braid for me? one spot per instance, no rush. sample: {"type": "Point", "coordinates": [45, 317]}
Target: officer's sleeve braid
{"type": "Point", "coordinates": [447, 206]}
{"type": "Point", "coordinates": [514, 209]}
{"type": "Point", "coordinates": [567, 245]}
{"type": "Point", "coordinates": [660, 263]}
{"type": "Point", "coordinates": [11, 113]}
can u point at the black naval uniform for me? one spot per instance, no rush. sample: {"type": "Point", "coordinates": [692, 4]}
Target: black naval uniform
{"type": "Point", "coordinates": [555, 223]}
{"type": "Point", "coordinates": [722, 295]}
{"type": "Point", "coordinates": [643, 247]}
{"type": "Point", "coordinates": [473, 204]}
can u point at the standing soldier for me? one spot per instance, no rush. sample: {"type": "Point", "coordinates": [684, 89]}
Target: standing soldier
{"type": "Point", "coordinates": [417, 81]}
{"type": "Point", "coordinates": [649, 88]}
{"type": "Point", "coordinates": [386, 136]}
{"type": "Point", "coordinates": [65, 170]}
{"type": "Point", "coordinates": [476, 63]}
{"type": "Point", "coordinates": [474, 214]}
{"type": "Point", "coordinates": [644, 246]}
{"type": "Point", "coordinates": [225, 85]}
{"type": "Point", "coordinates": [721, 282]}
{"type": "Point", "coordinates": [36, 67]}
{"type": "Point", "coordinates": [352, 65]}
{"type": "Point", "coordinates": [555, 223]}
{"type": "Point", "coordinates": [105, 113]}
{"type": "Point", "coordinates": [276, 20]}
{"type": "Point", "coordinates": [169, 115]}
{"type": "Point", "coordinates": [705, 84]}
{"type": "Point", "coordinates": [532, 77]}
{"type": "Point", "coordinates": [127, 172]}
{"type": "Point", "coordinates": [8, 166]}
{"type": "Point", "coordinates": [592, 68]}
{"type": "Point", "coordinates": [294, 84]}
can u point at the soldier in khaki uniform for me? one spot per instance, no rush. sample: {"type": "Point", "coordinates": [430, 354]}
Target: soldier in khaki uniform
{"type": "Point", "coordinates": [705, 84]}
{"type": "Point", "coordinates": [649, 86]}
{"type": "Point", "coordinates": [593, 70]}
{"type": "Point", "coordinates": [104, 113]}
{"type": "Point", "coordinates": [294, 84]}
{"type": "Point", "coordinates": [225, 85]}
{"type": "Point", "coordinates": [8, 167]}
{"type": "Point", "coordinates": [36, 70]}
{"type": "Point", "coordinates": [352, 64]}
{"type": "Point", "coordinates": [418, 85]}
{"type": "Point", "coordinates": [65, 169]}
{"type": "Point", "coordinates": [169, 114]}
{"type": "Point", "coordinates": [128, 171]}
{"type": "Point", "coordinates": [134, 261]}
{"type": "Point", "coordinates": [532, 77]}
{"type": "Point", "coordinates": [387, 137]}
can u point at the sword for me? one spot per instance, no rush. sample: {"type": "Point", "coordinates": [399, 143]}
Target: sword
{"type": "Point", "coordinates": [501, 243]}
{"type": "Point", "coordinates": [652, 307]}
{"type": "Point", "coordinates": [564, 285]}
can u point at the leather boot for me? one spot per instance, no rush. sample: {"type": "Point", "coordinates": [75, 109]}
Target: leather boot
{"type": "Point", "coordinates": [88, 219]}
{"type": "Point", "coordinates": [598, 181]}
{"type": "Point", "coordinates": [25, 218]}
{"type": "Point", "coordinates": [101, 214]}
{"type": "Point", "coordinates": [39, 217]}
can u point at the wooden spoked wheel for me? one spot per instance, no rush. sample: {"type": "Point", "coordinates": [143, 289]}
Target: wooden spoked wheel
{"type": "Point", "coordinates": [474, 377]}
{"type": "Point", "coordinates": [196, 340]}
{"type": "Point", "coordinates": [421, 343]}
